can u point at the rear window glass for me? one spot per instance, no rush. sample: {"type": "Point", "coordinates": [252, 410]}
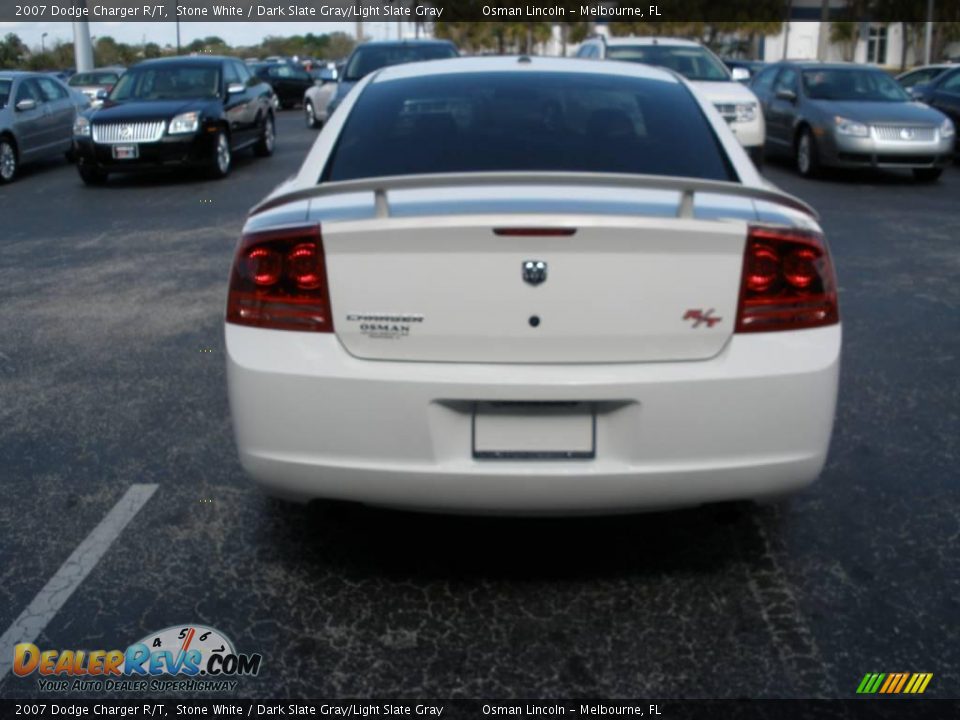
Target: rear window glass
{"type": "Point", "coordinates": [488, 122]}
{"type": "Point", "coordinates": [94, 78]}
{"type": "Point", "coordinates": [366, 59]}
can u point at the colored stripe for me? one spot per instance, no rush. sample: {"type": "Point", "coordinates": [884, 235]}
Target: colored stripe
{"type": "Point", "coordinates": [876, 683]}
{"type": "Point", "coordinates": [913, 681]}
{"type": "Point", "coordinates": [903, 680]}
{"type": "Point", "coordinates": [862, 688]}
{"type": "Point", "coordinates": [926, 682]}
{"type": "Point", "coordinates": [891, 678]}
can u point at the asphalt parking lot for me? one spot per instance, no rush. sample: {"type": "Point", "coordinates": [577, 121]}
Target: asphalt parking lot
{"type": "Point", "coordinates": [112, 374]}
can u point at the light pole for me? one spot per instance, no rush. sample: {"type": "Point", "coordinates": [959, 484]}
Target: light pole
{"type": "Point", "coordinates": [43, 45]}
{"type": "Point", "coordinates": [928, 34]}
{"type": "Point", "coordinates": [178, 25]}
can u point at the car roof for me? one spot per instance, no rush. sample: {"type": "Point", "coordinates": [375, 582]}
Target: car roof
{"type": "Point", "coordinates": [19, 73]}
{"type": "Point", "coordinates": [817, 65]}
{"type": "Point", "coordinates": [186, 60]}
{"type": "Point", "coordinates": [652, 40]}
{"type": "Point", "coordinates": [521, 63]}
{"type": "Point", "coordinates": [402, 43]}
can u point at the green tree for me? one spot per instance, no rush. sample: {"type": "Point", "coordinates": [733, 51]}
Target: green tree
{"type": "Point", "coordinates": [13, 51]}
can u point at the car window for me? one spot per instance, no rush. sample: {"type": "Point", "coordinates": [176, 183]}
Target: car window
{"type": "Point", "coordinates": [533, 121]}
{"type": "Point", "coordinates": [230, 74]}
{"type": "Point", "coordinates": [94, 78]}
{"type": "Point", "coordinates": [244, 73]}
{"type": "Point", "coordinates": [786, 80]}
{"type": "Point", "coordinates": [919, 76]}
{"type": "Point", "coordinates": [367, 58]}
{"type": "Point", "coordinates": [694, 63]}
{"type": "Point", "coordinates": [952, 84]}
{"type": "Point", "coordinates": [5, 87]}
{"type": "Point", "coordinates": [763, 81]}
{"type": "Point", "coordinates": [28, 91]}
{"type": "Point", "coordinates": [852, 84]}
{"type": "Point", "coordinates": [51, 90]}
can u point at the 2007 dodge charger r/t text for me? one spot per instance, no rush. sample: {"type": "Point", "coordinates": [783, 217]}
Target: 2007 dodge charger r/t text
{"type": "Point", "coordinates": [525, 285]}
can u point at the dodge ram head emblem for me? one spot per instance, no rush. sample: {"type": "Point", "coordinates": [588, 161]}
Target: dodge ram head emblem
{"type": "Point", "coordinates": [534, 271]}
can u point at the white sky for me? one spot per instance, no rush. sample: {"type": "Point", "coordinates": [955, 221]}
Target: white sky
{"type": "Point", "coordinates": [162, 33]}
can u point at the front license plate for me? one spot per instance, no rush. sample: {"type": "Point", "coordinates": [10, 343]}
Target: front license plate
{"type": "Point", "coordinates": [126, 152]}
{"type": "Point", "coordinates": [534, 431]}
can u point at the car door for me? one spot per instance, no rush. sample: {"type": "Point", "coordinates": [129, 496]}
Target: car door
{"type": "Point", "coordinates": [29, 125]}
{"type": "Point", "coordinates": [236, 105]}
{"type": "Point", "coordinates": [62, 113]}
{"type": "Point", "coordinates": [946, 96]}
{"type": "Point", "coordinates": [782, 109]}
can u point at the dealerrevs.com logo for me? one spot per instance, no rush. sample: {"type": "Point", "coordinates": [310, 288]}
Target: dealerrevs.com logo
{"type": "Point", "coordinates": [196, 657]}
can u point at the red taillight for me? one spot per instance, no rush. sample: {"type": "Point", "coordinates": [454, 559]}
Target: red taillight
{"type": "Point", "coordinates": [788, 282]}
{"type": "Point", "coordinates": [279, 281]}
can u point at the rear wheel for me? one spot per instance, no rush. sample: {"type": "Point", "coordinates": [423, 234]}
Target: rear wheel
{"type": "Point", "coordinates": [92, 175]}
{"type": "Point", "coordinates": [807, 156]}
{"type": "Point", "coordinates": [222, 158]}
{"type": "Point", "coordinates": [268, 137]}
{"type": "Point", "coordinates": [927, 174]}
{"type": "Point", "coordinates": [8, 160]}
{"type": "Point", "coordinates": [310, 115]}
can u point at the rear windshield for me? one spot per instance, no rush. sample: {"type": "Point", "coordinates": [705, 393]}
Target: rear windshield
{"type": "Point", "coordinates": [694, 63]}
{"type": "Point", "coordinates": [94, 78]}
{"type": "Point", "coordinates": [4, 91]}
{"type": "Point", "coordinates": [366, 59]}
{"type": "Point", "coordinates": [488, 122]}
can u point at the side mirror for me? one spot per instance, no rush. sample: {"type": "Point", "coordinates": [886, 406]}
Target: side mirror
{"type": "Point", "coordinates": [235, 88]}
{"type": "Point", "coordinates": [788, 95]}
{"type": "Point", "coordinates": [102, 94]}
{"type": "Point", "coordinates": [25, 105]}
{"type": "Point", "coordinates": [740, 74]}
{"type": "Point", "coordinates": [918, 91]}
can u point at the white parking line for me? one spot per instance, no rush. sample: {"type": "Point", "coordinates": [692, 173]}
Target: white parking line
{"type": "Point", "coordinates": [33, 620]}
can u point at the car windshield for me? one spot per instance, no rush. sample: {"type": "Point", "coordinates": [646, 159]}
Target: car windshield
{"type": "Point", "coordinates": [168, 82]}
{"type": "Point", "coordinates": [5, 84]}
{"type": "Point", "coordinates": [366, 59]}
{"type": "Point", "coordinates": [852, 84]}
{"type": "Point", "coordinates": [530, 121]}
{"type": "Point", "coordinates": [694, 63]}
{"type": "Point", "coordinates": [94, 78]}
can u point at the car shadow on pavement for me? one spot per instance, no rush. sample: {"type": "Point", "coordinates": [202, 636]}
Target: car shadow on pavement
{"type": "Point", "coordinates": [405, 545]}
{"type": "Point", "coordinates": [169, 177]}
{"type": "Point", "coordinates": [858, 176]}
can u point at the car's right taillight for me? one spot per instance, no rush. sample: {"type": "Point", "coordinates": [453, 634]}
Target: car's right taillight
{"type": "Point", "coordinates": [279, 281]}
{"type": "Point", "coordinates": [788, 281]}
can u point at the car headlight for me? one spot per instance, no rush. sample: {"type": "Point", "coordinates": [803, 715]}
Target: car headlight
{"type": "Point", "coordinates": [184, 123]}
{"type": "Point", "coordinates": [851, 127]}
{"type": "Point", "coordinates": [947, 130]}
{"type": "Point", "coordinates": [746, 112]}
{"type": "Point", "coordinates": [81, 126]}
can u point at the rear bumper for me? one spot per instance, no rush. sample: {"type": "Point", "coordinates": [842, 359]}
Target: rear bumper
{"type": "Point", "coordinates": [312, 421]}
{"type": "Point", "coordinates": [193, 150]}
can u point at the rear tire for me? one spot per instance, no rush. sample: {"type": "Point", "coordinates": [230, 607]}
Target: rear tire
{"type": "Point", "coordinates": [807, 155]}
{"type": "Point", "coordinates": [222, 158]}
{"type": "Point", "coordinates": [927, 175]}
{"type": "Point", "coordinates": [9, 162]}
{"type": "Point", "coordinates": [268, 137]}
{"type": "Point", "coordinates": [91, 175]}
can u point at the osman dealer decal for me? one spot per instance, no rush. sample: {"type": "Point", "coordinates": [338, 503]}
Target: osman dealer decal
{"type": "Point", "coordinates": [179, 658]}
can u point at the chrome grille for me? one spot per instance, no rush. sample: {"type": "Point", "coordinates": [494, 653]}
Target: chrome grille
{"type": "Point", "coordinates": [905, 133]}
{"type": "Point", "coordinates": [133, 132]}
{"type": "Point", "coordinates": [727, 110]}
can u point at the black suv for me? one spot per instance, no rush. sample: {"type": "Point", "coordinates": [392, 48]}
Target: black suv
{"type": "Point", "coordinates": [187, 111]}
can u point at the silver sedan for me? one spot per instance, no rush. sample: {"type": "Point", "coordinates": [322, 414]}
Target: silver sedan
{"type": "Point", "coordinates": [36, 120]}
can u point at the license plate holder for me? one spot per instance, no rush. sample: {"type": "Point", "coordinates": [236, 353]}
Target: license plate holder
{"type": "Point", "coordinates": [534, 431]}
{"type": "Point", "coordinates": [126, 152]}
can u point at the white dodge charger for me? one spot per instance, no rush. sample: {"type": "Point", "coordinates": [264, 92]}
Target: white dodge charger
{"type": "Point", "coordinates": [524, 285]}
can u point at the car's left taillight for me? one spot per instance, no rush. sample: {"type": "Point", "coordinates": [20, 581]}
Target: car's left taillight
{"type": "Point", "coordinates": [279, 281]}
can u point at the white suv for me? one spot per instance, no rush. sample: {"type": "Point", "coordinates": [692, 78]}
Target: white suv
{"type": "Point", "coordinates": [735, 102]}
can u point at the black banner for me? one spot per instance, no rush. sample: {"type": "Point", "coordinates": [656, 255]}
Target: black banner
{"type": "Point", "coordinates": [567, 11]}
{"type": "Point", "coordinates": [885, 709]}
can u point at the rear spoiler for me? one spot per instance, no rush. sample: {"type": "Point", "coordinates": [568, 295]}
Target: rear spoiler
{"type": "Point", "coordinates": [687, 187]}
